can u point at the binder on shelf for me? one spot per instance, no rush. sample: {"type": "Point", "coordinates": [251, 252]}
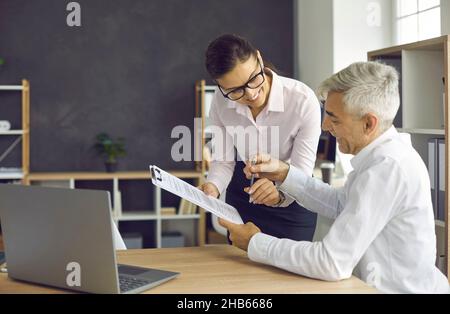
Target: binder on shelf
{"type": "Point", "coordinates": [443, 103]}
{"type": "Point", "coordinates": [168, 211]}
{"type": "Point", "coordinates": [433, 173]}
{"type": "Point", "coordinates": [194, 210]}
{"type": "Point", "coordinates": [187, 208]}
{"type": "Point", "coordinates": [183, 207]}
{"type": "Point", "coordinates": [191, 207]}
{"type": "Point", "coordinates": [441, 186]}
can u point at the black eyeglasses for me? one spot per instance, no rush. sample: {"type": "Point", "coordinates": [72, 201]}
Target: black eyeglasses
{"type": "Point", "coordinates": [239, 92]}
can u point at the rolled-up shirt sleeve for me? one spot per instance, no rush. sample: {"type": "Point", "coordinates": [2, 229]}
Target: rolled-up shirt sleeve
{"type": "Point", "coordinates": [362, 219]}
{"type": "Point", "coordinates": [223, 155]}
{"type": "Point", "coordinates": [313, 194]}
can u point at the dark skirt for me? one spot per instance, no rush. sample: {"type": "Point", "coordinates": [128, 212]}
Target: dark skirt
{"type": "Point", "coordinates": [293, 222]}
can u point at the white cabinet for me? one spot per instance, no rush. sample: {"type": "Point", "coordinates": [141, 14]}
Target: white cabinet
{"type": "Point", "coordinates": [19, 135]}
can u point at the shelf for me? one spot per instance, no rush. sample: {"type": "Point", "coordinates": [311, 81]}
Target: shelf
{"type": "Point", "coordinates": [126, 175]}
{"type": "Point", "coordinates": [439, 223]}
{"type": "Point", "coordinates": [11, 87]}
{"type": "Point", "coordinates": [11, 176]}
{"type": "Point", "coordinates": [147, 215]}
{"type": "Point", "coordinates": [137, 216]}
{"type": "Point", "coordinates": [210, 88]}
{"type": "Point", "coordinates": [179, 217]}
{"type": "Point", "coordinates": [12, 132]}
{"type": "Point", "coordinates": [434, 44]}
{"type": "Point", "coordinates": [423, 131]}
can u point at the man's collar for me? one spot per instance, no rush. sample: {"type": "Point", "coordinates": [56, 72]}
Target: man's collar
{"type": "Point", "coordinates": [362, 155]}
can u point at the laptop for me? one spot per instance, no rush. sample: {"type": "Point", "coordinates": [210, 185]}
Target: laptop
{"type": "Point", "coordinates": [63, 238]}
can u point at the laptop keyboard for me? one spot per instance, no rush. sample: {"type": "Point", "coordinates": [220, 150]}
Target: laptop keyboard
{"type": "Point", "coordinates": [130, 283]}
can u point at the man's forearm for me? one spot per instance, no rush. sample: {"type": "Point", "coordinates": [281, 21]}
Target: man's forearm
{"type": "Point", "coordinates": [313, 194]}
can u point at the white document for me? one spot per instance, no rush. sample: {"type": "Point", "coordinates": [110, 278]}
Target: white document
{"type": "Point", "coordinates": [184, 190]}
{"type": "Point", "coordinates": [117, 238]}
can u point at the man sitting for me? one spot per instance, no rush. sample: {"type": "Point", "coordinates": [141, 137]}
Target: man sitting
{"type": "Point", "coordinates": [384, 229]}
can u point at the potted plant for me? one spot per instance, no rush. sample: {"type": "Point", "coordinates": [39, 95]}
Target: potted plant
{"type": "Point", "coordinates": [2, 61]}
{"type": "Point", "coordinates": [110, 149]}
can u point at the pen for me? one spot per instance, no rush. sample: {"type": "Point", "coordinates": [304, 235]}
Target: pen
{"type": "Point", "coordinates": [252, 180]}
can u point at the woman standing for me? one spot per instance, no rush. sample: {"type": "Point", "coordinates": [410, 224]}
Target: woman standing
{"type": "Point", "coordinates": [284, 116]}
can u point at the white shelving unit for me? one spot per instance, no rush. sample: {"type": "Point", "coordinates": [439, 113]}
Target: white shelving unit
{"type": "Point", "coordinates": [424, 112]}
{"type": "Point", "coordinates": [12, 132]}
{"type": "Point", "coordinates": [11, 176]}
{"type": "Point", "coordinates": [24, 133]}
{"type": "Point", "coordinates": [154, 214]}
{"type": "Point", "coordinates": [142, 216]}
{"type": "Point", "coordinates": [422, 73]}
{"type": "Point", "coordinates": [423, 131]}
{"type": "Point", "coordinates": [11, 87]}
{"type": "Point", "coordinates": [180, 217]}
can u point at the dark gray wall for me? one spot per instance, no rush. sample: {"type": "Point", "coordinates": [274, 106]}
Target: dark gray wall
{"type": "Point", "coordinates": [128, 70]}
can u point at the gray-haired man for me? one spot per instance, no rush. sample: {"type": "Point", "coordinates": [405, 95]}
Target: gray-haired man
{"type": "Point", "coordinates": [384, 228]}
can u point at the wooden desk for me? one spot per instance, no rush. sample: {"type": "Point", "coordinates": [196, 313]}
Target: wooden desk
{"type": "Point", "coordinates": [214, 270]}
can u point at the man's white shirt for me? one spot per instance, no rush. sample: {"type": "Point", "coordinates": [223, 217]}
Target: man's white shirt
{"type": "Point", "coordinates": [384, 230]}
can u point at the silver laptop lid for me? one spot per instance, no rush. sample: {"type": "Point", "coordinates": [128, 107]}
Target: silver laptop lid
{"type": "Point", "coordinates": [59, 237]}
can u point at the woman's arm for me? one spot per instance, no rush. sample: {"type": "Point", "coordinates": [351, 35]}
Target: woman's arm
{"type": "Point", "coordinates": [222, 160]}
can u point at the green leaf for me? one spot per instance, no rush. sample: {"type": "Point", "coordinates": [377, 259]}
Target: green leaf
{"type": "Point", "coordinates": [109, 148]}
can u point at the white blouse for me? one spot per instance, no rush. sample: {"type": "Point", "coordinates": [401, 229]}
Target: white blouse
{"type": "Point", "coordinates": [288, 129]}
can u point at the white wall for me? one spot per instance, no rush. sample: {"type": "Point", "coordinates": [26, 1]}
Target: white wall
{"type": "Point", "coordinates": [445, 17]}
{"type": "Point", "coordinates": [313, 40]}
{"type": "Point", "coordinates": [360, 26]}
{"type": "Point", "coordinates": [331, 34]}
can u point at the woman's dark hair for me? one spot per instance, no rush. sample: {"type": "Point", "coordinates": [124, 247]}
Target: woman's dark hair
{"type": "Point", "coordinates": [225, 52]}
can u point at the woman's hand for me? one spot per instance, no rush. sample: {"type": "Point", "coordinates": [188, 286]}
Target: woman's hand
{"type": "Point", "coordinates": [267, 167]}
{"type": "Point", "coordinates": [209, 189]}
{"type": "Point", "coordinates": [264, 192]}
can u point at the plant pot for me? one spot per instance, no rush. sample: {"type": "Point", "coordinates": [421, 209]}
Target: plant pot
{"type": "Point", "coordinates": [111, 166]}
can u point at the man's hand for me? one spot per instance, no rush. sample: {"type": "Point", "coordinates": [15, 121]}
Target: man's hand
{"type": "Point", "coordinates": [209, 189]}
{"type": "Point", "coordinates": [267, 167]}
{"type": "Point", "coordinates": [264, 192]}
{"type": "Point", "coordinates": [240, 235]}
